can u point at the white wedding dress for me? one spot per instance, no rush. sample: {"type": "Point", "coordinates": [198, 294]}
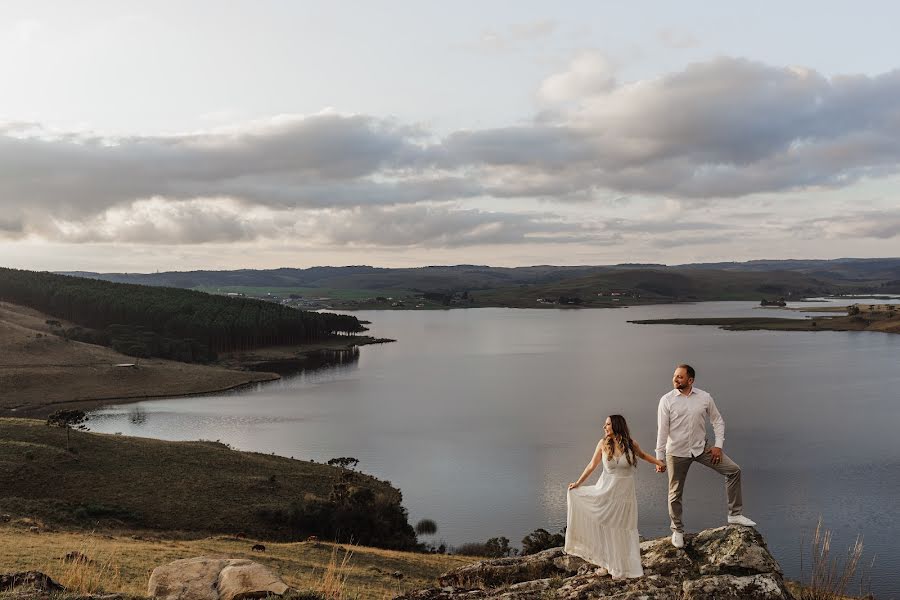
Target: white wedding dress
{"type": "Point", "coordinates": [601, 525]}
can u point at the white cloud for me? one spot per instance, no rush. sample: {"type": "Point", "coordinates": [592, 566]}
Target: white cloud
{"type": "Point", "coordinates": [588, 74]}
{"type": "Point", "coordinates": [721, 129]}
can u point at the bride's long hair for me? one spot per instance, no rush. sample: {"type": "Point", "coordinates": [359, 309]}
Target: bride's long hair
{"type": "Point", "coordinates": [620, 438]}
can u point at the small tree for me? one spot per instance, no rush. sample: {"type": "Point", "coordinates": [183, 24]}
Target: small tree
{"type": "Point", "coordinates": [344, 462]}
{"type": "Point", "coordinates": [497, 547]}
{"type": "Point", "coordinates": [541, 539]}
{"type": "Point", "coordinates": [67, 418]}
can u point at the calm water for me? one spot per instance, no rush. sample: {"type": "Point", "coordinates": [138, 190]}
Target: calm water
{"type": "Point", "coordinates": [481, 417]}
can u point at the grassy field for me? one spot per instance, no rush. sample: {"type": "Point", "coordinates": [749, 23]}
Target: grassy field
{"type": "Point", "coordinates": [124, 563]}
{"type": "Point", "coordinates": [115, 481]}
{"type": "Point", "coordinates": [131, 504]}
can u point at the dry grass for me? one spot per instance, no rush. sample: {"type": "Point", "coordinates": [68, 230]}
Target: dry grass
{"type": "Point", "coordinates": [830, 578]}
{"type": "Point", "coordinates": [123, 564]}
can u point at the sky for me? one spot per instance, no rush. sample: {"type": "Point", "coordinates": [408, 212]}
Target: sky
{"type": "Point", "coordinates": [156, 136]}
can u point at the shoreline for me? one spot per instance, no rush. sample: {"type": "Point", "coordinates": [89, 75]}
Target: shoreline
{"type": "Point", "coordinates": [880, 318]}
{"type": "Point", "coordinates": [44, 389]}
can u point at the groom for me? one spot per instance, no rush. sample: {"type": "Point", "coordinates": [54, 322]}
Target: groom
{"type": "Point", "coordinates": [681, 441]}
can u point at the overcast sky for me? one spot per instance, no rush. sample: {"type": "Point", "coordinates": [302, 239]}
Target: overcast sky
{"type": "Point", "coordinates": [144, 136]}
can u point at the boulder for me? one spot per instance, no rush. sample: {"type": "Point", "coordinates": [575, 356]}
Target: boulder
{"type": "Point", "coordinates": [726, 563]}
{"type": "Point", "coordinates": [205, 578]}
{"type": "Point", "coordinates": [28, 580]}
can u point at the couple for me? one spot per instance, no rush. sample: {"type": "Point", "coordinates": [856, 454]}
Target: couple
{"type": "Point", "coordinates": [601, 526]}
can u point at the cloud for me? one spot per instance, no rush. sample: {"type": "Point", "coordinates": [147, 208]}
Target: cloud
{"type": "Point", "coordinates": [880, 224]}
{"type": "Point", "coordinates": [724, 128]}
{"type": "Point", "coordinates": [449, 226]}
{"type": "Point", "coordinates": [161, 221]}
{"type": "Point", "coordinates": [589, 73]}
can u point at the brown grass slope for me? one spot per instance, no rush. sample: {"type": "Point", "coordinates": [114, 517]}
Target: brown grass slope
{"type": "Point", "coordinates": [41, 372]}
{"type": "Point", "coordinates": [124, 563]}
{"type": "Point", "coordinates": [137, 483]}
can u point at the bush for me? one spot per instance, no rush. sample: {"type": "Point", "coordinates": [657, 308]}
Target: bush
{"type": "Point", "coordinates": [350, 514]}
{"type": "Point", "coordinates": [541, 539]}
{"type": "Point", "coordinates": [496, 547]}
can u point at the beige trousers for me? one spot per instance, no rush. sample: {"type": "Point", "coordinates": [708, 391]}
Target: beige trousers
{"type": "Point", "coordinates": [677, 468]}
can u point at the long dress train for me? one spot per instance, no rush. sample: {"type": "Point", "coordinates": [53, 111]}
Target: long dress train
{"type": "Point", "coordinates": [601, 523]}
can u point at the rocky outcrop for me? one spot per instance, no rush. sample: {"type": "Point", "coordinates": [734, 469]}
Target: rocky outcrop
{"type": "Point", "coordinates": [204, 578]}
{"type": "Point", "coordinates": [28, 581]}
{"type": "Point", "coordinates": [728, 563]}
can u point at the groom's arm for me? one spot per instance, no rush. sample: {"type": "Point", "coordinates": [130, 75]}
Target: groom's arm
{"type": "Point", "coordinates": [662, 428]}
{"type": "Point", "coordinates": [718, 423]}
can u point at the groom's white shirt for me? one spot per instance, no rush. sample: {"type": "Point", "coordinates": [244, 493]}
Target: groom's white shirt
{"type": "Point", "coordinates": [681, 423]}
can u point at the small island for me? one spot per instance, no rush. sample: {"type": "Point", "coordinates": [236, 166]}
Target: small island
{"type": "Point", "coordinates": [856, 317]}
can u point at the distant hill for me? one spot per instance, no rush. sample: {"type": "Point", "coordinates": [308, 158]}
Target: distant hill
{"type": "Point", "coordinates": [520, 286]}
{"type": "Point", "coordinates": [166, 322]}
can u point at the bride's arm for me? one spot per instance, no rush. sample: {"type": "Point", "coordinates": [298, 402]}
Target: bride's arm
{"type": "Point", "coordinates": [650, 459]}
{"type": "Point", "coordinates": [595, 460]}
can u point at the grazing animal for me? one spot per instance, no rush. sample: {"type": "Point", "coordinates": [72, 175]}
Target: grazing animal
{"type": "Point", "coordinates": [312, 538]}
{"type": "Point", "coordinates": [397, 575]}
{"type": "Point", "coordinates": [258, 548]}
{"type": "Point", "coordinates": [240, 535]}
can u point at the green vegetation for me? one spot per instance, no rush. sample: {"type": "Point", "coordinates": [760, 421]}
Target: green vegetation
{"type": "Point", "coordinates": [543, 286]}
{"type": "Point", "coordinates": [129, 483]}
{"type": "Point", "coordinates": [166, 322]}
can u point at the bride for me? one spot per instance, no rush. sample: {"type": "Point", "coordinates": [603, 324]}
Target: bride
{"type": "Point", "coordinates": [601, 525]}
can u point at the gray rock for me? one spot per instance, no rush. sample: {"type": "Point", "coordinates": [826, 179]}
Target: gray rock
{"type": "Point", "coordinates": [733, 551]}
{"type": "Point", "coordinates": [768, 586]}
{"type": "Point", "coordinates": [205, 578]}
{"type": "Point", "coordinates": [28, 580]}
{"type": "Point", "coordinates": [727, 563]}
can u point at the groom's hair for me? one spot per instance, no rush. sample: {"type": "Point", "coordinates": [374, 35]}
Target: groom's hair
{"type": "Point", "coordinates": [690, 370]}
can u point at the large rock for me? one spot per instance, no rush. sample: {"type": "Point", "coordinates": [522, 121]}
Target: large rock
{"type": "Point", "coordinates": [717, 564]}
{"type": "Point", "coordinates": [205, 578]}
{"type": "Point", "coordinates": [28, 580]}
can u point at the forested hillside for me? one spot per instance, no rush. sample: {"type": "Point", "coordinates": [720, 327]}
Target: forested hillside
{"type": "Point", "coordinates": [167, 322]}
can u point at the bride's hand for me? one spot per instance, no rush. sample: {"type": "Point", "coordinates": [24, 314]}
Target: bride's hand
{"type": "Point", "coordinates": [573, 485]}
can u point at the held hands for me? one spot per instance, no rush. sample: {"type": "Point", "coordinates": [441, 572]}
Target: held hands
{"type": "Point", "coordinates": [716, 454]}
{"type": "Point", "coordinates": [574, 485]}
{"type": "Point", "coordinates": [661, 468]}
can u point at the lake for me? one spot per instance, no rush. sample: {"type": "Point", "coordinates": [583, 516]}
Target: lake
{"type": "Point", "coordinates": [482, 417]}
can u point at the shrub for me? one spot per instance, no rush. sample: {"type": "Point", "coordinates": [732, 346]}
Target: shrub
{"type": "Point", "coordinates": [541, 539]}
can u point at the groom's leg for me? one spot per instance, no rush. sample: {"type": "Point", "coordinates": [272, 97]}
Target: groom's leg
{"type": "Point", "coordinates": [677, 469]}
{"type": "Point", "coordinates": [732, 472]}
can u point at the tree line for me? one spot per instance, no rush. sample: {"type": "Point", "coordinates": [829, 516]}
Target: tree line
{"type": "Point", "coordinates": [173, 323]}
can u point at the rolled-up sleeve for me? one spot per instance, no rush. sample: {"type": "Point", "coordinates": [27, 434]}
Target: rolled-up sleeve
{"type": "Point", "coordinates": [662, 428]}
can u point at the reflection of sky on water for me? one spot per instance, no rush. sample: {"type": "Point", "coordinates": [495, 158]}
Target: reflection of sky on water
{"type": "Point", "coordinates": [483, 416]}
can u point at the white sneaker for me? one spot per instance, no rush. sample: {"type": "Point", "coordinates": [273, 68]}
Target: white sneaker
{"type": "Point", "coordinates": [678, 539]}
{"type": "Point", "coordinates": [741, 520]}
